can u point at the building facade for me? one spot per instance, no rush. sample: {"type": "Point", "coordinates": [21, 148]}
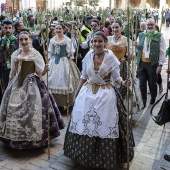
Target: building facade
{"type": "Point", "coordinates": [142, 3]}
{"type": "Point", "coordinates": [54, 4]}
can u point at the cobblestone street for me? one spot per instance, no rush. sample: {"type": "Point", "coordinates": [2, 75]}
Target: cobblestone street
{"type": "Point", "coordinates": [152, 142]}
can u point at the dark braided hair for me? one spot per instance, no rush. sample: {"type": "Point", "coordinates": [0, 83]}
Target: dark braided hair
{"type": "Point", "coordinates": [23, 32]}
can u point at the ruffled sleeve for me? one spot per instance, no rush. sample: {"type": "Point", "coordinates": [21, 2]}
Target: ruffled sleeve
{"type": "Point", "coordinates": [84, 67]}
{"type": "Point", "coordinates": [116, 73]}
{"type": "Point", "coordinates": [69, 47]}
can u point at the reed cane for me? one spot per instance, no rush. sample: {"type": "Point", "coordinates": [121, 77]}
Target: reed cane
{"type": "Point", "coordinates": [132, 72]}
{"type": "Point", "coordinates": [78, 46]}
{"type": "Point", "coordinates": [161, 23]}
{"type": "Point", "coordinates": [69, 63]}
{"type": "Point", "coordinates": [161, 20]}
{"type": "Point", "coordinates": [128, 75]}
{"type": "Point", "coordinates": [48, 97]}
{"type": "Point", "coordinates": [136, 29]}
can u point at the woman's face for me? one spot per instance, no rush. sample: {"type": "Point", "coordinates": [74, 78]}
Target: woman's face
{"type": "Point", "coordinates": [59, 29]}
{"type": "Point", "coordinates": [98, 43]}
{"type": "Point", "coordinates": [116, 28]}
{"type": "Point", "coordinates": [24, 40]}
{"type": "Point", "coordinates": [53, 33]}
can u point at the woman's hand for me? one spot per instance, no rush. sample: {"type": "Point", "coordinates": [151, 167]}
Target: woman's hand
{"type": "Point", "coordinates": [159, 69]}
{"type": "Point", "coordinates": [45, 53]}
{"type": "Point", "coordinates": [135, 43]}
{"type": "Point", "coordinates": [127, 82]}
{"type": "Point", "coordinates": [79, 40]}
{"type": "Point", "coordinates": [46, 69]}
{"type": "Point", "coordinates": [42, 42]}
{"type": "Point", "coordinates": [70, 54]}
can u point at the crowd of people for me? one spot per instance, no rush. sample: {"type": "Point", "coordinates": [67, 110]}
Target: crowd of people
{"type": "Point", "coordinates": [86, 61]}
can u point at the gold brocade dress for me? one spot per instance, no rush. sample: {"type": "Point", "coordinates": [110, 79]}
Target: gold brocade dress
{"type": "Point", "coordinates": [119, 49]}
{"type": "Point", "coordinates": [120, 53]}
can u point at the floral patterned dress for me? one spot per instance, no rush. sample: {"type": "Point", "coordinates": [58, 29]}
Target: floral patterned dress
{"type": "Point", "coordinates": [24, 108]}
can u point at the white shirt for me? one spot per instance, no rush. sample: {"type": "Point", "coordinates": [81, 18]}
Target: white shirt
{"type": "Point", "coordinates": [162, 49]}
{"type": "Point", "coordinates": [86, 44]}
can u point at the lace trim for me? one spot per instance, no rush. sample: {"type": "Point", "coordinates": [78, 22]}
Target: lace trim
{"type": "Point", "coordinates": [34, 55]}
{"type": "Point", "coordinates": [60, 91]}
{"type": "Point", "coordinates": [106, 66]}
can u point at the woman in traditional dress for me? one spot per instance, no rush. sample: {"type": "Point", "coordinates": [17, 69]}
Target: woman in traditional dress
{"type": "Point", "coordinates": [64, 74]}
{"type": "Point", "coordinates": [118, 45]}
{"type": "Point", "coordinates": [52, 33]}
{"type": "Point", "coordinates": [39, 40]}
{"type": "Point", "coordinates": [96, 133]}
{"type": "Point", "coordinates": [24, 108]}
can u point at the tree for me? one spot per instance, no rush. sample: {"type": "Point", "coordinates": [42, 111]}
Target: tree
{"type": "Point", "coordinates": [94, 2]}
{"type": "Point", "coordinates": [80, 2]}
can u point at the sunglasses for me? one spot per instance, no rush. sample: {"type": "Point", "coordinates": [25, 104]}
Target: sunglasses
{"type": "Point", "coordinates": [21, 39]}
{"type": "Point", "coordinates": [94, 25]}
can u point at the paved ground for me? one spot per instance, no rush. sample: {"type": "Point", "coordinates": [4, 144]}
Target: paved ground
{"type": "Point", "coordinates": [152, 142]}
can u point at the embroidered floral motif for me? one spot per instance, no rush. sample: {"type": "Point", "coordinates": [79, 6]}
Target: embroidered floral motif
{"type": "Point", "coordinates": [113, 132]}
{"type": "Point", "coordinates": [73, 126]}
{"type": "Point", "coordinates": [97, 121]}
{"type": "Point", "coordinates": [91, 119]}
{"type": "Point", "coordinates": [28, 113]}
{"type": "Point", "coordinates": [86, 119]}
